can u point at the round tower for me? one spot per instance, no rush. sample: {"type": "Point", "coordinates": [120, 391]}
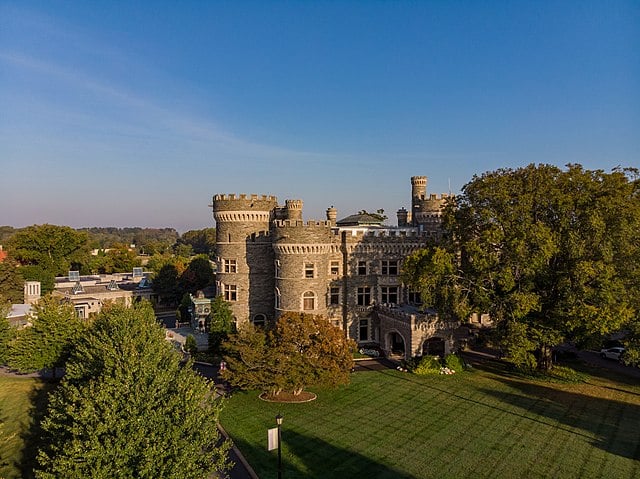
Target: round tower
{"type": "Point", "coordinates": [307, 258]}
{"type": "Point", "coordinates": [418, 194]}
{"type": "Point", "coordinates": [244, 254]}
{"type": "Point", "coordinates": [332, 215]}
{"type": "Point", "coordinates": [403, 217]}
{"type": "Point", "coordinates": [294, 209]}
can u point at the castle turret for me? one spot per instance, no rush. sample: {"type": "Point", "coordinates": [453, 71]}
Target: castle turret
{"type": "Point", "coordinates": [403, 217]}
{"type": "Point", "coordinates": [294, 209]}
{"type": "Point", "coordinates": [418, 194]}
{"type": "Point", "coordinates": [332, 215]}
{"type": "Point", "coordinates": [244, 254]}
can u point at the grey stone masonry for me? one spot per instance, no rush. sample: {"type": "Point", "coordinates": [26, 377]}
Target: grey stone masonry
{"type": "Point", "coordinates": [270, 261]}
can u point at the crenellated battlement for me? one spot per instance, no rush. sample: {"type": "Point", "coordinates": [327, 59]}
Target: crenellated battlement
{"type": "Point", "coordinates": [243, 196]}
{"type": "Point", "coordinates": [389, 234]}
{"type": "Point", "coordinates": [293, 204]}
{"type": "Point", "coordinates": [301, 224]}
{"type": "Point", "coordinates": [254, 207]}
{"type": "Point", "coordinates": [419, 181]}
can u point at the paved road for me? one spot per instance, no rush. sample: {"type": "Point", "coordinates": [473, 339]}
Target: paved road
{"type": "Point", "coordinates": [593, 358]}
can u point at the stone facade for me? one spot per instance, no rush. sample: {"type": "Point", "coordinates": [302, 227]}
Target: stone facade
{"type": "Point", "coordinates": [270, 261]}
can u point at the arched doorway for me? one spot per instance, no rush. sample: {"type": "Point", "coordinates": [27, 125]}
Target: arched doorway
{"type": "Point", "coordinates": [433, 347]}
{"type": "Point", "coordinates": [395, 344]}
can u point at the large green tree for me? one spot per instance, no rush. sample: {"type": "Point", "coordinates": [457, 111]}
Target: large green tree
{"type": "Point", "coordinates": [34, 272]}
{"type": "Point", "coordinates": [197, 275]}
{"type": "Point", "coordinates": [48, 342]}
{"type": "Point", "coordinates": [57, 249]}
{"type": "Point", "coordinates": [552, 250]}
{"type": "Point", "coordinates": [11, 281]}
{"type": "Point", "coordinates": [127, 407]}
{"type": "Point", "coordinates": [201, 241]}
{"type": "Point", "coordinates": [302, 350]}
{"type": "Point", "coordinates": [6, 331]}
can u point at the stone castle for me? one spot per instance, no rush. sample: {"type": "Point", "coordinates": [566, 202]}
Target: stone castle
{"type": "Point", "coordinates": [270, 261]}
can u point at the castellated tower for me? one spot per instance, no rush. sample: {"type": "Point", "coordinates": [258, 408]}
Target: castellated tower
{"type": "Point", "coordinates": [426, 210]}
{"type": "Point", "coordinates": [244, 254]}
{"type": "Point", "coordinates": [403, 217]}
{"type": "Point", "coordinates": [307, 259]}
{"type": "Point", "coordinates": [294, 209]}
{"type": "Point", "coordinates": [332, 215]}
{"type": "Point", "coordinates": [418, 193]}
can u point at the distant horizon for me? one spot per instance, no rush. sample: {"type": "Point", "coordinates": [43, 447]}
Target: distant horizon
{"type": "Point", "coordinates": [391, 215]}
{"type": "Point", "coordinates": [137, 114]}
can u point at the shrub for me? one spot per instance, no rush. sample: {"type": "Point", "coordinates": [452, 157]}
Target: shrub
{"type": "Point", "coordinates": [565, 374]}
{"type": "Point", "coordinates": [190, 345]}
{"type": "Point", "coordinates": [428, 365]}
{"type": "Point", "coordinates": [454, 362]}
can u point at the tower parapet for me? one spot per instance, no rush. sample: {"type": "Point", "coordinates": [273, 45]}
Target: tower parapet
{"type": "Point", "coordinates": [294, 209]}
{"type": "Point", "coordinates": [403, 217]}
{"type": "Point", "coordinates": [332, 215]}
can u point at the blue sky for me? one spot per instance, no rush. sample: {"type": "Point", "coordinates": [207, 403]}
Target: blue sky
{"type": "Point", "coordinates": [135, 113]}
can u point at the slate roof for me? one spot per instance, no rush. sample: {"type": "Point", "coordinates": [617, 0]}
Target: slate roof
{"type": "Point", "coordinates": [360, 220]}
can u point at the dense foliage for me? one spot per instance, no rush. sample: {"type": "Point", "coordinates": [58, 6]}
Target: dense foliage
{"type": "Point", "coordinates": [201, 241]}
{"type": "Point", "coordinates": [221, 324]}
{"type": "Point", "coordinates": [301, 350]}
{"type": "Point", "coordinates": [551, 254]}
{"type": "Point", "coordinates": [11, 281]}
{"type": "Point", "coordinates": [6, 331]}
{"type": "Point", "coordinates": [128, 408]}
{"type": "Point", "coordinates": [49, 341]}
{"type": "Point", "coordinates": [56, 249]}
{"type": "Point", "coordinates": [147, 240]}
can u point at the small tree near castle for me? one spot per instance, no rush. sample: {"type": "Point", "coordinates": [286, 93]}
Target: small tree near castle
{"type": "Point", "coordinates": [301, 350]}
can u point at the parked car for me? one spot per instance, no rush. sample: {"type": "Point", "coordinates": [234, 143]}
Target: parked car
{"type": "Point", "coordinates": [612, 353]}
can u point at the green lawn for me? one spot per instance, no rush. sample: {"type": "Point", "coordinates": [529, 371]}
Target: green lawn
{"type": "Point", "coordinates": [486, 423]}
{"type": "Point", "coordinates": [20, 398]}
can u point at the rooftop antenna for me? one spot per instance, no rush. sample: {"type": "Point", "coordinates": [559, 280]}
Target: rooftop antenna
{"type": "Point", "coordinates": [449, 179]}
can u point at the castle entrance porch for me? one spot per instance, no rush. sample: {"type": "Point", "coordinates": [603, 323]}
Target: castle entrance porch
{"type": "Point", "coordinates": [395, 345]}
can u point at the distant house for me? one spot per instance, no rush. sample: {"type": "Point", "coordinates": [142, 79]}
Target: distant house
{"type": "Point", "coordinates": [3, 254]}
{"type": "Point", "coordinates": [88, 294]}
{"type": "Point", "coordinates": [20, 314]}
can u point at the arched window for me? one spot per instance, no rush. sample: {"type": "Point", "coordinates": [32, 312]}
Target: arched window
{"type": "Point", "coordinates": [277, 298]}
{"type": "Point", "coordinates": [309, 301]}
{"type": "Point", "coordinates": [259, 320]}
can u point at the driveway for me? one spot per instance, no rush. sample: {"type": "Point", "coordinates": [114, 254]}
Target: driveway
{"type": "Point", "coordinates": [593, 358]}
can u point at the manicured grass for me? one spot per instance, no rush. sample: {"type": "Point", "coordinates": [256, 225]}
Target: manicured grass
{"type": "Point", "coordinates": [20, 397]}
{"type": "Point", "coordinates": [482, 424]}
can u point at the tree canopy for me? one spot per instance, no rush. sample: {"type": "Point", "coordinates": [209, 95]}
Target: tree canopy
{"type": "Point", "coordinates": [552, 250]}
{"type": "Point", "coordinates": [201, 241]}
{"type": "Point", "coordinates": [11, 281]}
{"type": "Point", "coordinates": [302, 350]}
{"type": "Point", "coordinates": [48, 342]}
{"type": "Point", "coordinates": [6, 331]}
{"type": "Point", "coordinates": [57, 249]}
{"type": "Point", "coordinates": [127, 407]}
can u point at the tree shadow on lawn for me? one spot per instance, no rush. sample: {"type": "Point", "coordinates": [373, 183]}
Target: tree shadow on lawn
{"type": "Point", "coordinates": [605, 374]}
{"type": "Point", "coordinates": [319, 459]}
{"type": "Point", "coordinates": [567, 411]}
{"type": "Point", "coordinates": [613, 423]}
{"type": "Point", "coordinates": [32, 437]}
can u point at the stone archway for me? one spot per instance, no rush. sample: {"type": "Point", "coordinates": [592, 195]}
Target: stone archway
{"type": "Point", "coordinates": [395, 344]}
{"type": "Point", "coordinates": [433, 347]}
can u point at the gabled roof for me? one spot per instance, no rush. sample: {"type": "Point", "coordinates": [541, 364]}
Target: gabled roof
{"type": "Point", "coordinates": [360, 220]}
